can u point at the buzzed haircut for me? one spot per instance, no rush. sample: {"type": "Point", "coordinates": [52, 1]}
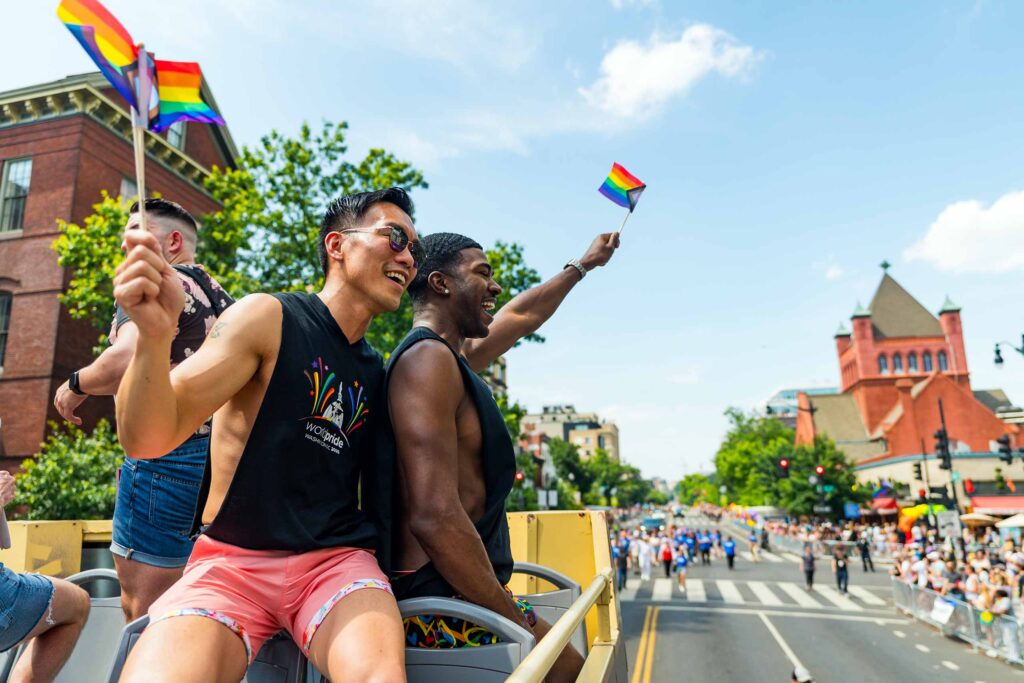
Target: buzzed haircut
{"type": "Point", "coordinates": [442, 251]}
{"type": "Point", "coordinates": [346, 212]}
{"type": "Point", "coordinates": [165, 208]}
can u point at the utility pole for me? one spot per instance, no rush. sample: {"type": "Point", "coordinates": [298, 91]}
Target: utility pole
{"type": "Point", "coordinates": [952, 484]}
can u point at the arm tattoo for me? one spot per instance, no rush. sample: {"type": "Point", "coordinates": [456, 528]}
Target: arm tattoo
{"type": "Point", "coordinates": [215, 332]}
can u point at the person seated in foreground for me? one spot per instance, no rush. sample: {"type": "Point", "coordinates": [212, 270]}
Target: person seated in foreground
{"type": "Point", "coordinates": [293, 386]}
{"type": "Point", "coordinates": [48, 613]}
{"type": "Point", "coordinates": [455, 459]}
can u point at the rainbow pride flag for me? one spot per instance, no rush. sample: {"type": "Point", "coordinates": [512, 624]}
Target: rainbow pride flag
{"type": "Point", "coordinates": [178, 86]}
{"type": "Point", "coordinates": [105, 40]}
{"type": "Point", "coordinates": [622, 187]}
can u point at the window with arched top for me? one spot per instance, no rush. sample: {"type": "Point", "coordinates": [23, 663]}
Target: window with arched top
{"type": "Point", "coordinates": [897, 363]}
{"type": "Point", "coordinates": [926, 357]}
{"type": "Point", "coordinates": [943, 362]}
{"type": "Point", "coordinates": [883, 364]}
{"type": "Point", "coordinates": [911, 362]}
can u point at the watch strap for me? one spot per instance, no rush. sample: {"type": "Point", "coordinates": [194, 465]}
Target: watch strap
{"type": "Point", "coordinates": [74, 386]}
{"type": "Point", "coordinates": [575, 263]}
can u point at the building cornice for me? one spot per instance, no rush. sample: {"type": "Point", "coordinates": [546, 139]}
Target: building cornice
{"type": "Point", "coordinates": [18, 108]}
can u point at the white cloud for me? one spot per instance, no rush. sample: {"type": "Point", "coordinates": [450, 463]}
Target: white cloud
{"type": "Point", "coordinates": [638, 80]}
{"type": "Point", "coordinates": [967, 237]}
{"type": "Point", "coordinates": [834, 272]}
{"type": "Point", "coordinates": [621, 4]}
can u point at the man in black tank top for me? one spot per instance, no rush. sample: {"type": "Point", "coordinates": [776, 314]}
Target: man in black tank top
{"type": "Point", "coordinates": [294, 389]}
{"type": "Point", "coordinates": [456, 462]}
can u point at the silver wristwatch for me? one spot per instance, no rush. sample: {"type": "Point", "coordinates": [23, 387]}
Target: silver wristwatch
{"type": "Point", "coordinates": [575, 263]}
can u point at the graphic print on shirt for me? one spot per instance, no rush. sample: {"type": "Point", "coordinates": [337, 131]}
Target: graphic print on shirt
{"type": "Point", "coordinates": [336, 411]}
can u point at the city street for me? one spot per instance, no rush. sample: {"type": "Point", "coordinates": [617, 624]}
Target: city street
{"type": "Point", "coordinates": [757, 622]}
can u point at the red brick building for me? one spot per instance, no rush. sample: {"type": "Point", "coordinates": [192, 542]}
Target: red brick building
{"type": "Point", "coordinates": [61, 144]}
{"type": "Point", "coordinates": [895, 365]}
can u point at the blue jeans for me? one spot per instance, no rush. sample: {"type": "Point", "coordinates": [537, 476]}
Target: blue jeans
{"type": "Point", "coordinates": [156, 501]}
{"type": "Point", "coordinates": [24, 598]}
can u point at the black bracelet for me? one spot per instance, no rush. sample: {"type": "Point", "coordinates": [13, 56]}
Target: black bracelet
{"type": "Point", "coordinates": [74, 386]}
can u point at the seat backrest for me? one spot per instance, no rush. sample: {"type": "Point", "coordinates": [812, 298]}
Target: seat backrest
{"type": "Point", "coordinates": [552, 605]}
{"type": "Point", "coordinates": [89, 662]}
{"type": "Point", "coordinates": [482, 664]}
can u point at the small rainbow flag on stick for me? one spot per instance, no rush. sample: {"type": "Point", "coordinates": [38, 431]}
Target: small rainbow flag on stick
{"type": "Point", "coordinates": [178, 85]}
{"type": "Point", "coordinates": [623, 188]}
{"type": "Point", "coordinates": [104, 39]}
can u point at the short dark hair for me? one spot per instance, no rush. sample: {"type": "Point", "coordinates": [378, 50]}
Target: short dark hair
{"type": "Point", "coordinates": [442, 251]}
{"type": "Point", "coordinates": [167, 209]}
{"type": "Point", "coordinates": [345, 212]}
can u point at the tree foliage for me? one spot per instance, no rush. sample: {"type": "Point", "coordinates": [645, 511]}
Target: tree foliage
{"type": "Point", "coordinates": [696, 488]}
{"type": "Point", "coordinates": [600, 479]}
{"type": "Point", "coordinates": [746, 464]}
{"type": "Point", "coordinates": [73, 476]}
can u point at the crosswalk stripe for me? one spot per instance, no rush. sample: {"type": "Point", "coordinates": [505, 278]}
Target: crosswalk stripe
{"type": "Point", "coordinates": [838, 599]}
{"type": "Point", "coordinates": [730, 593]}
{"type": "Point", "coordinates": [628, 595]}
{"type": "Point", "coordinates": [764, 593]}
{"type": "Point", "coordinates": [792, 558]}
{"type": "Point", "coordinates": [747, 556]}
{"type": "Point", "coordinates": [771, 557]}
{"type": "Point", "coordinates": [695, 591]}
{"type": "Point", "coordinates": [798, 594]}
{"type": "Point", "coordinates": [662, 589]}
{"type": "Point", "coordinates": [866, 596]}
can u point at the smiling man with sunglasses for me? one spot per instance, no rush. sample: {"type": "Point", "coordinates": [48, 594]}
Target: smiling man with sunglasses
{"type": "Point", "coordinates": [295, 390]}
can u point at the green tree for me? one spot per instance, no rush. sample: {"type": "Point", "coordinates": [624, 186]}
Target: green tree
{"type": "Point", "coordinates": [523, 495]}
{"type": "Point", "coordinates": [92, 252]}
{"type": "Point", "coordinates": [73, 476]}
{"type": "Point", "coordinates": [274, 201]}
{"type": "Point", "coordinates": [569, 466]}
{"type": "Point", "coordinates": [696, 488]}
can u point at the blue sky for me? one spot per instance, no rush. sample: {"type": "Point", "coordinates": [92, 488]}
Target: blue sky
{"type": "Point", "coordinates": [788, 148]}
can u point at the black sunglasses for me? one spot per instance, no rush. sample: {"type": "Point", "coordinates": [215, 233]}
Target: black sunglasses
{"type": "Point", "coordinates": [399, 241]}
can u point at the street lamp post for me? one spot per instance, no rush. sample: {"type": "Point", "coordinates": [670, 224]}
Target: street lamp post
{"type": "Point", "coordinates": [820, 486]}
{"type": "Point", "coordinates": [999, 356]}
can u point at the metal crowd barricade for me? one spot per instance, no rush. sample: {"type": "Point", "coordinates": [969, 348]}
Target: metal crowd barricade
{"type": "Point", "coordinates": [998, 635]}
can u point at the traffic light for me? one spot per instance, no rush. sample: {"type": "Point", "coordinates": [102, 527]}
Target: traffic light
{"type": "Point", "coordinates": [942, 450]}
{"type": "Point", "coordinates": [819, 470]}
{"type": "Point", "coordinates": [519, 476]}
{"type": "Point", "coordinates": [968, 486]}
{"type": "Point", "coordinates": [783, 468]}
{"type": "Point", "coordinates": [922, 494]}
{"type": "Point", "coordinates": [1005, 452]}
{"type": "Point", "coordinates": [917, 472]}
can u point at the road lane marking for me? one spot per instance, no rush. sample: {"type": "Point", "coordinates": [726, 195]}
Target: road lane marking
{"type": "Point", "coordinates": [899, 634]}
{"type": "Point", "coordinates": [629, 594]}
{"type": "Point", "coordinates": [638, 664]}
{"type": "Point", "coordinates": [792, 558]}
{"type": "Point", "coordinates": [764, 594]}
{"type": "Point", "coordinates": [922, 648]}
{"type": "Point", "coordinates": [648, 664]}
{"type": "Point", "coordinates": [781, 613]}
{"type": "Point", "coordinates": [778, 639]}
{"type": "Point", "coordinates": [771, 557]}
{"type": "Point", "coordinates": [747, 556]}
{"type": "Point", "coordinates": [662, 590]}
{"type": "Point", "coordinates": [950, 665]}
{"type": "Point", "coordinates": [866, 596]}
{"type": "Point", "coordinates": [695, 590]}
{"type": "Point", "coordinates": [800, 595]}
{"type": "Point", "coordinates": [838, 599]}
{"type": "Point", "coordinates": [730, 593]}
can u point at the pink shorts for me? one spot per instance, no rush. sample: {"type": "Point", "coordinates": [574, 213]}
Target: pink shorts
{"type": "Point", "coordinates": [256, 593]}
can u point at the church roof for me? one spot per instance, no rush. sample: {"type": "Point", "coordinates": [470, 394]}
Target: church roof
{"type": "Point", "coordinates": [895, 313]}
{"type": "Point", "coordinates": [994, 399]}
{"type": "Point", "coordinates": [838, 417]}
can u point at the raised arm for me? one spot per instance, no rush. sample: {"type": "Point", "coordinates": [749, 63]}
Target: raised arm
{"type": "Point", "coordinates": [529, 310]}
{"type": "Point", "coordinates": [424, 397]}
{"type": "Point", "coordinates": [157, 410]}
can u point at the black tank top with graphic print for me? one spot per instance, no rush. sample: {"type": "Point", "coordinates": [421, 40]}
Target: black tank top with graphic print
{"type": "Point", "coordinates": [499, 468]}
{"type": "Point", "coordinates": [296, 487]}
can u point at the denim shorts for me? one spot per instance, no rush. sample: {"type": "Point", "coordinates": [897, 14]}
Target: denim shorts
{"type": "Point", "coordinates": [156, 501]}
{"type": "Point", "coordinates": [24, 599]}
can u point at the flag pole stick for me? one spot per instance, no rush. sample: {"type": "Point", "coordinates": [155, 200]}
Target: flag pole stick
{"type": "Point", "coordinates": [140, 122]}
